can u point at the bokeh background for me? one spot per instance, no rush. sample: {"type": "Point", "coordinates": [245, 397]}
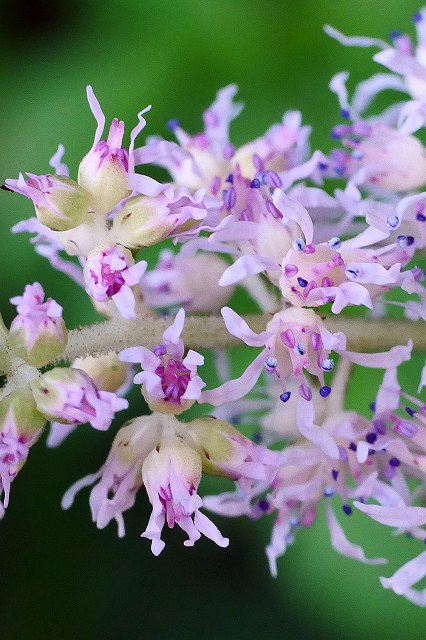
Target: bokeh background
{"type": "Point", "coordinates": [60, 576]}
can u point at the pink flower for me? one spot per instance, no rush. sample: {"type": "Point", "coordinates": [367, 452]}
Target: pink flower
{"type": "Point", "coordinates": [69, 396]}
{"type": "Point", "coordinates": [20, 427]}
{"type": "Point", "coordinates": [110, 273]}
{"type": "Point", "coordinates": [150, 451]}
{"type": "Point", "coordinates": [60, 203]}
{"type": "Point", "coordinates": [121, 476]}
{"type": "Point", "coordinates": [104, 171]}
{"type": "Point", "coordinates": [171, 475]}
{"type": "Point", "coordinates": [170, 383]}
{"type": "Point", "coordinates": [38, 333]}
{"type": "Point", "coordinates": [186, 279]}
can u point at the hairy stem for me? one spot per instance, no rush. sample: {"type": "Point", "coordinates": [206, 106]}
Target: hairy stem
{"type": "Point", "coordinates": [363, 334]}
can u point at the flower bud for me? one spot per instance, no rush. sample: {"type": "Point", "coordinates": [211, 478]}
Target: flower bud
{"type": "Point", "coordinates": [69, 396]}
{"type": "Point", "coordinates": [103, 171]}
{"type": "Point", "coordinates": [110, 273]}
{"type": "Point", "coordinates": [20, 427]}
{"type": "Point", "coordinates": [38, 333]}
{"type": "Point", "coordinates": [226, 452]}
{"type": "Point", "coordinates": [145, 221]}
{"type": "Point", "coordinates": [142, 222]}
{"type": "Point", "coordinates": [107, 372]}
{"type": "Point", "coordinates": [60, 203]}
{"type": "Point", "coordinates": [187, 280]}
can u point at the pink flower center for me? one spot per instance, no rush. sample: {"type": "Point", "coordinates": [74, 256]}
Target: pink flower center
{"type": "Point", "coordinates": [174, 379]}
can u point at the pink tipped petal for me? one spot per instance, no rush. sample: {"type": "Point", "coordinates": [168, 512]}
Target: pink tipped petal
{"type": "Point", "coordinates": [145, 185]}
{"type": "Point", "coordinates": [125, 302]}
{"type": "Point", "coordinates": [354, 41]}
{"type": "Point", "coordinates": [69, 496]}
{"type": "Point", "coordinates": [97, 112]}
{"type": "Point", "coordinates": [207, 528]}
{"type": "Point", "coordinates": [402, 581]}
{"type": "Point", "coordinates": [246, 266]}
{"type": "Point", "coordinates": [320, 437]}
{"type": "Point", "coordinates": [172, 333]}
{"type": "Point", "coordinates": [403, 517]}
{"type": "Point", "coordinates": [342, 545]}
{"type": "Point", "coordinates": [422, 379]}
{"type": "Point", "coordinates": [133, 135]}
{"type": "Point", "coordinates": [294, 211]}
{"type": "Point", "coordinates": [240, 329]}
{"type": "Point", "coordinates": [152, 383]}
{"type": "Point", "coordinates": [235, 389]}
{"type": "Point", "coordinates": [388, 396]}
{"type": "Point", "coordinates": [384, 360]}
{"type": "Point", "coordinates": [401, 63]}
{"type": "Point", "coordinates": [55, 161]}
{"type": "Point", "coordinates": [140, 354]}
{"type": "Point", "coordinates": [338, 86]}
{"type": "Point", "coordinates": [133, 274]}
{"type": "Point", "coordinates": [367, 90]}
{"type": "Point", "coordinates": [193, 359]}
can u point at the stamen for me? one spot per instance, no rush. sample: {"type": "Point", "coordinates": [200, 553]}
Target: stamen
{"type": "Point", "coordinates": [347, 509]}
{"type": "Point", "coordinates": [325, 391]}
{"type": "Point", "coordinates": [290, 270]}
{"type": "Point", "coordinates": [285, 396]}
{"type": "Point", "coordinates": [173, 124]}
{"type": "Point", "coordinates": [327, 364]}
{"type": "Point", "coordinates": [393, 222]}
{"type": "Point", "coordinates": [298, 244]}
{"type": "Point", "coordinates": [299, 350]}
{"type": "Point", "coordinates": [334, 243]}
{"type": "Point", "coordinates": [305, 392]}
{"type": "Point", "coordinates": [405, 241]}
{"type": "Point", "coordinates": [302, 282]}
{"type": "Point", "coordinates": [371, 437]}
{"type": "Point", "coordinates": [255, 184]}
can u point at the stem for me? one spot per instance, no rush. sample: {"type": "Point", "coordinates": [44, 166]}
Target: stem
{"type": "Point", "coordinates": [363, 334]}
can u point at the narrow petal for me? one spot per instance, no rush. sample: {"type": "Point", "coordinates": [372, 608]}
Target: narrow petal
{"type": "Point", "coordinates": [240, 329]}
{"type": "Point", "coordinates": [295, 211]}
{"type": "Point", "coordinates": [246, 266]}
{"type": "Point", "coordinates": [172, 333]}
{"type": "Point", "coordinates": [402, 581]}
{"type": "Point", "coordinates": [235, 389]}
{"type": "Point", "coordinates": [384, 360]}
{"type": "Point", "coordinates": [342, 545]}
{"type": "Point", "coordinates": [97, 112]}
{"type": "Point", "coordinates": [404, 517]}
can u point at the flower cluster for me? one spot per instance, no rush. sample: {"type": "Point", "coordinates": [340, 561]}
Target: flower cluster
{"type": "Point", "coordinates": [267, 216]}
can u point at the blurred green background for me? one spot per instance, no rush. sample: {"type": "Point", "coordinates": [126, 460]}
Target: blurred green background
{"type": "Point", "coordinates": [60, 577]}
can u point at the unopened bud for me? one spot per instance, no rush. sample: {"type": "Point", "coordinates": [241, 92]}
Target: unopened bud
{"type": "Point", "coordinates": [60, 203]}
{"type": "Point", "coordinates": [38, 333]}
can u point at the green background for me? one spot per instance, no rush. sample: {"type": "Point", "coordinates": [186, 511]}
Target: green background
{"type": "Point", "coordinates": [61, 577]}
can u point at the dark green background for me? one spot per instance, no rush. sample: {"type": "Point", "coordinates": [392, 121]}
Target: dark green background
{"type": "Point", "coordinates": [60, 577]}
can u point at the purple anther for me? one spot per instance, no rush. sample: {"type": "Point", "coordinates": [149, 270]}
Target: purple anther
{"type": "Point", "coordinates": [347, 509]}
{"type": "Point", "coordinates": [345, 113]}
{"type": "Point", "coordinates": [229, 198]}
{"type": "Point", "coordinates": [173, 124]}
{"type": "Point", "coordinates": [263, 505]}
{"type": "Point", "coordinates": [325, 391]}
{"type": "Point", "coordinates": [334, 243]}
{"type": "Point", "coordinates": [275, 213]}
{"type": "Point", "coordinates": [302, 282]}
{"type": "Point", "coordinates": [230, 178]}
{"type": "Point", "coordinates": [316, 340]}
{"type": "Point", "coordinates": [288, 338]}
{"type": "Point", "coordinates": [290, 270]}
{"type": "Point", "coordinates": [371, 437]}
{"type": "Point", "coordinates": [273, 179]}
{"type": "Point", "coordinates": [159, 350]}
{"type": "Point", "coordinates": [309, 248]}
{"type": "Point", "coordinates": [421, 217]}
{"type": "Point", "coordinates": [335, 473]}
{"type": "Point", "coordinates": [255, 184]}
{"type": "Point", "coordinates": [285, 396]}
{"type": "Point", "coordinates": [405, 428]}
{"type": "Point", "coordinates": [305, 392]}
{"type": "Point", "coordinates": [228, 151]}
